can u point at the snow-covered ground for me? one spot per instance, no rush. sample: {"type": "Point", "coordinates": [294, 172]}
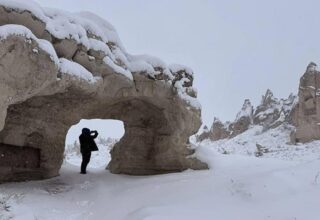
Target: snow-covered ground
{"type": "Point", "coordinates": [275, 143]}
{"type": "Point", "coordinates": [281, 185]}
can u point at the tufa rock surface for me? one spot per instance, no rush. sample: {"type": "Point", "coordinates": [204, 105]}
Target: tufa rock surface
{"type": "Point", "coordinates": [243, 119]}
{"type": "Point", "coordinates": [57, 68]}
{"type": "Point", "coordinates": [306, 115]}
{"type": "Point", "coordinates": [219, 130]}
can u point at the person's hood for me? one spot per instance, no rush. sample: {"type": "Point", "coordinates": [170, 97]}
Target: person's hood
{"type": "Point", "coordinates": [86, 131]}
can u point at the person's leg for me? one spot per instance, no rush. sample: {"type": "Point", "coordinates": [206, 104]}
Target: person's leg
{"type": "Point", "coordinates": [85, 160]}
{"type": "Point", "coordinates": [83, 166]}
{"type": "Point", "coordinates": [88, 158]}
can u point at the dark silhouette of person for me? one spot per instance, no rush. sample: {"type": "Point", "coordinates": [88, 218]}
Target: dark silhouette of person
{"type": "Point", "coordinates": [87, 144]}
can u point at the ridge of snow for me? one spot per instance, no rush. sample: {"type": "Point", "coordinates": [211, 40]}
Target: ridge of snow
{"type": "Point", "coordinates": [117, 68]}
{"type": "Point", "coordinates": [75, 69]}
{"type": "Point", "coordinates": [107, 29]}
{"type": "Point", "coordinates": [20, 30]}
{"type": "Point", "coordinates": [178, 67]}
{"type": "Point", "coordinates": [65, 66]}
{"type": "Point", "coordinates": [21, 5]}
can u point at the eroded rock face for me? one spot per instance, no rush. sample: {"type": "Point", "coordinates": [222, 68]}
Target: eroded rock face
{"type": "Point", "coordinates": [50, 80]}
{"type": "Point", "coordinates": [219, 130]}
{"type": "Point", "coordinates": [271, 113]}
{"type": "Point", "coordinates": [267, 112]}
{"type": "Point", "coordinates": [306, 116]}
{"type": "Point", "coordinates": [243, 119]}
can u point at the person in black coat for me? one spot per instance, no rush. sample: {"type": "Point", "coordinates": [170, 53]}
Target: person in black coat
{"type": "Point", "coordinates": [87, 144]}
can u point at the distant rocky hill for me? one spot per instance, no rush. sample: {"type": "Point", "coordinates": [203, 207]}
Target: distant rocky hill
{"type": "Point", "coordinates": [302, 111]}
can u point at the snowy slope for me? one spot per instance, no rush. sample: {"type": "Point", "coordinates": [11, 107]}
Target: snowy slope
{"type": "Point", "coordinates": [236, 187]}
{"type": "Point", "coordinates": [274, 141]}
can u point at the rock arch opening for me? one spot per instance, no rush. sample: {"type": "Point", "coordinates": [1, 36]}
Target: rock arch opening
{"type": "Point", "coordinates": [50, 82]}
{"type": "Point", "coordinates": [151, 143]}
{"type": "Point", "coordinates": [110, 132]}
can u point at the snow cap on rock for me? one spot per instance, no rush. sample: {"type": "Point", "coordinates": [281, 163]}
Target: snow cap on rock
{"type": "Point", "coordinates": [311, 67]}
{"type": "Point", "coordinates": [246, 110]}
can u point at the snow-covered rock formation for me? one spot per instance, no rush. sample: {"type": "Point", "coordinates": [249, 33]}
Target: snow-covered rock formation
{"type": "Point", "coordinates": [303, 112]}
{"type": "Point", "coordinates": [306, 117]}
{"type": "Point", "coordinates": [58, 67]}
{"type": "Point", "coordinates": [271, 113]}
{"type": "Point", "coordinates": [243, 119]}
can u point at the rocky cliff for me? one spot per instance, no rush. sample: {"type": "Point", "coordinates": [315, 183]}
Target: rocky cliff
{"type": "Point", "coordinates": [270, 113]}
{"type": "Point", "coordinates": [306, 116]}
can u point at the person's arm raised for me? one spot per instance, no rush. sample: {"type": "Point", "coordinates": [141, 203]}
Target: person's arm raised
{"type": "Point", "coordinates": [95, 134]}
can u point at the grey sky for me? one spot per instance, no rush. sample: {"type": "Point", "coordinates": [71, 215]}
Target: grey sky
{"type": "Point", "coordinates": [238, 49]}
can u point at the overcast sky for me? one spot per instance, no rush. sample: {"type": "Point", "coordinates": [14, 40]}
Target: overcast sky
{"type": "Point", "coordinates": [237, 49]}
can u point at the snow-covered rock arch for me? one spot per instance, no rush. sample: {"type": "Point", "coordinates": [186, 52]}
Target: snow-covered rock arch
{"type": "Point", "coordinates": [57, 68]}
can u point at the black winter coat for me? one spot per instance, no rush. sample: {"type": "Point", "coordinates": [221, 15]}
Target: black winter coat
{"type": "Point", "coordinates": [87, 143]}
